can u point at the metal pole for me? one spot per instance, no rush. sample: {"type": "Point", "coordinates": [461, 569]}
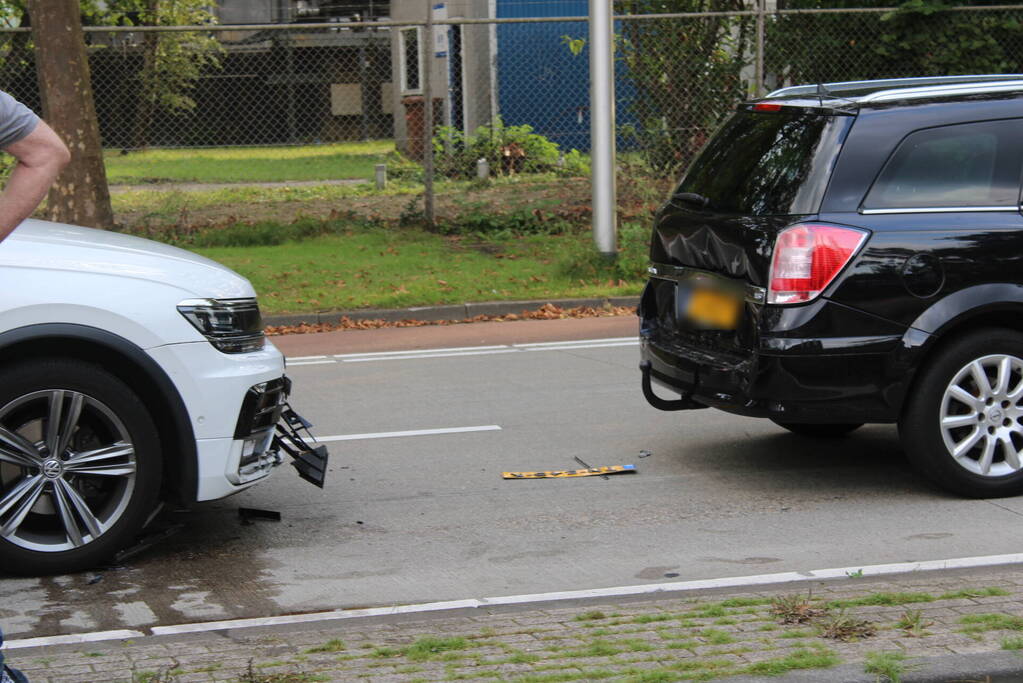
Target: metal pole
{"type": "Point", "coordinates": [290, 87]}
{"type": "Point", "coordinates": [427, 50]}
{"type": "Point", "coordinates": [602, 128]}
{"type": "Point", "coordinates": [761, 11]}
{"type": "Point", "coordinates": [363, 83]}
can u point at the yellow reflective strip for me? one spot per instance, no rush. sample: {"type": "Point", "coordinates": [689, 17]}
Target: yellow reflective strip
{"type": "Point", "coordinates": [552, 474]}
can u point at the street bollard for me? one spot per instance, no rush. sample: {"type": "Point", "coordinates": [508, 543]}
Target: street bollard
{"type": "Point", "coordinates": [482, 169]}
{"type": "Point", "coordinates": [381, 170]}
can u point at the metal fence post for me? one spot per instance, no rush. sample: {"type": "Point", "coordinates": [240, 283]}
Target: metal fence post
{"type": "Point", "coordinates": [602, 128]}
{"type": "Point", "coordinates": [427, 48]}
{"type": "Point", "coordinates": [761, 27]}
{"type": "Point", "coordinates": [290, 59]}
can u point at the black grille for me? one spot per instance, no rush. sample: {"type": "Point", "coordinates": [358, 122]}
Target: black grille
{"type": "Point", "coordinates": [262, 407]}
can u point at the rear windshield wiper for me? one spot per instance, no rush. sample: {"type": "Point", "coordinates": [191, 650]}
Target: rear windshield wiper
{"type": "Point", "coordinates": [692, 198]}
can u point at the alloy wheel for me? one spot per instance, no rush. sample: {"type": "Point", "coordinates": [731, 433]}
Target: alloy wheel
{"type": "Point", "coordinates": [981, 418]}
{"type": "Point", "coordinates": [67, 470]}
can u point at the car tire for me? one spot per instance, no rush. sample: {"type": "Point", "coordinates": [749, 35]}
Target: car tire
{"type": "Point", "coordinates": [962, 426]}
{"type": "Point", "coordinates": [828, 430]}
{"type": "Point", "coordinates": [80, 466]}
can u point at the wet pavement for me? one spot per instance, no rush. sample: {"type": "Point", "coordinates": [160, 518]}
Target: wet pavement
{"type": "Point", "coordinates": [924, 626]}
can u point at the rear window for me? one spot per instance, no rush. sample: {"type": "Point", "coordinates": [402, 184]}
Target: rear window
{"type": "Point", "coordinates": [971, 164]}
{"type": "Point", "coordinates": [768, 163]}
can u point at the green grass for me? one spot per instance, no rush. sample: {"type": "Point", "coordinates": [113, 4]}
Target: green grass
{"type": "Point", "coordinates": [884, 599]}
{"type": "Point", "coordinates": [384, 268]}
{"type": "Point", "coordinates": [592, 615]}
{"type": "Point", "coordinates": [715, 636]}
{"type": "Point", "coordinates": [801, 659]}
{"type": "Point", "coordinates": [248, 164]}
{"type": "Point", "coordinates": [974, 593]}
{"type": "Point", "coordinates": [745, 602]}
{"type": "Point", "coordinates": [979, 623]}
{"type": "Point", "coordinates": [332, 645]}
{"type": "Point", "coordinates": [887, 666]}
{"type": "Point", "coordinates": [434, 648]}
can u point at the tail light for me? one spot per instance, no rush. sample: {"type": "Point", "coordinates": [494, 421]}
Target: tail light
{"type": "Point", "coordinates": [807, 258]}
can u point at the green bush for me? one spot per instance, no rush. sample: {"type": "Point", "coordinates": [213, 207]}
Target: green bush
{"type": "Point", "coordinates": [521, 222]}
{"type": "Point", "coordinates": [456, 154]}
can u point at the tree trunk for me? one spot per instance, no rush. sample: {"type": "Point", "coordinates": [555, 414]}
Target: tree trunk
{"type": "Point", "coordinates": [80, 195]}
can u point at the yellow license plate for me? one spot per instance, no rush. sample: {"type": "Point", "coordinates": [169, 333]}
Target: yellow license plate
{"type": "Point", "coordinates": [713, 309]}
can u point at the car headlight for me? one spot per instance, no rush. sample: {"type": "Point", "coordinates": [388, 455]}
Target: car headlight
{"type": "Point", "coordinates": [231, 325]}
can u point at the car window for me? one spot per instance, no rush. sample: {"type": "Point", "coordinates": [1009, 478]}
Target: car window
{"type": "Point", "coordinates": [767, 163]}
{"type": "Point", "coordinates": [973, 164]}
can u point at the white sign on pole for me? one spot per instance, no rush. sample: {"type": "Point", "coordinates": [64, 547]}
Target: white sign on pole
{"type": "Point", "coordinates": [440, 34]}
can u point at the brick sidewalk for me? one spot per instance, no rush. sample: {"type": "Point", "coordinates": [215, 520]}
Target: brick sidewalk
{"type": "Point", "coordinates": [953, 622]}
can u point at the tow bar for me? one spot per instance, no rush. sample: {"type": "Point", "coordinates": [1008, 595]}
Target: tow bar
{"type": "Point", "coordinates": [684, 403]}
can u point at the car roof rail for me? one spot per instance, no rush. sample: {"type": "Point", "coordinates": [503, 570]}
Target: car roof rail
{"type": "Point", "coordinates": [885, 89]}
{"type": "Point", "coordinates": [943, 91]}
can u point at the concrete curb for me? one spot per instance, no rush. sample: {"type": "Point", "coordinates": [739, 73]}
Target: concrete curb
{"type": "Point", "coordinates": [462, 311]}
{"type": "Point", "coordinates": [985, 667]}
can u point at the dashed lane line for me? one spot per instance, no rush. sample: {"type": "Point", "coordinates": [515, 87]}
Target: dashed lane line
{"type": "Point", "coordinates": [411, 432]}
{"type": "Point", "coordinates": [418, 354]}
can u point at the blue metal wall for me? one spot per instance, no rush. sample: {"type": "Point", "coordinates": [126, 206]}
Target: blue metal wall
{"type": "Point", "coordinates": [540, 81]}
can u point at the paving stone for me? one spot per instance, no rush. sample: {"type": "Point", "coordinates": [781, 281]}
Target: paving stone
{"type": "Point", "coordinates": [498, 631]}
{"type": "Point", "coordinates": [971, 648]}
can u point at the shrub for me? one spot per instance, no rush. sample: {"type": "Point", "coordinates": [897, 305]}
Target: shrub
{"type": "Point", "coordinates": [456, 154]}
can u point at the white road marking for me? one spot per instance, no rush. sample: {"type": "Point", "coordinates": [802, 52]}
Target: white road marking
{"type": "Point", "coordinates": [633, 340]}
{"type": "Point", "coordinates": [618, 591]}
{"type": "Point", "coordinates": [73, 638]}
{"type": "Point", "coordinates": [418, 351]}
{"type": "Point", "coordinates": [430, 355]}
{"type": "Point", "coordinates": [463, 351]}
{"type": "Point", "coordinates": [580, 346]}
{"type": "Point", "coordinates": [413, 432]}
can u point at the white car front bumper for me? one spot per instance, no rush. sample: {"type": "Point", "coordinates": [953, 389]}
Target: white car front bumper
{"type": "Point", "coordinates": [233, 425]}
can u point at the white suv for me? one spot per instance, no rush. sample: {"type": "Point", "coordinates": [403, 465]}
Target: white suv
{"type": "Point", "coordinates": [131, 372]}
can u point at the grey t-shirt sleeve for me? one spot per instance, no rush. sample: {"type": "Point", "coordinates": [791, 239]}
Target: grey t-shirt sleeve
{"type": "Point", "coordinates": [16, 120]}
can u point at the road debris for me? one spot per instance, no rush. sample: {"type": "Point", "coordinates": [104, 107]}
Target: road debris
{"type": "Point", "coordinates": [556, 474]}
{"type": "Point", "coordinates": [249, 514]}
{"type": "Point", "coordinates": [145, 542]}
{"type": "Point", "coordinates": [588, 466]}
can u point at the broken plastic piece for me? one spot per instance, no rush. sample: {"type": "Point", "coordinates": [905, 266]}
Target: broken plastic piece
{"type": "Point", "coordinates": [553, 474]}
{"type": "Point", "coordinates": [146, 541]}
{"type": "Point", "coordinates": [312, 466]}
{"type": "Point", "coordinates": [310, 462]}
{"type": "Point", "coordinates": [254, 513]}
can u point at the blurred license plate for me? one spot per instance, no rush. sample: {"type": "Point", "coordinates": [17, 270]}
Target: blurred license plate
{"type": "Point", "coordinates": [711, 308]}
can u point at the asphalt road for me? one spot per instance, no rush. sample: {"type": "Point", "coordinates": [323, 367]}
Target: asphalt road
{"type": "Point", "coordinates": [422, 518]}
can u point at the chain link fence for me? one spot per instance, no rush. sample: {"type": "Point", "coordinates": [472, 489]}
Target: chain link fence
{"type": "Point", "coordinates": [490, 77]}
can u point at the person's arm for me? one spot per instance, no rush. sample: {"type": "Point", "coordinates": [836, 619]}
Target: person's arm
{"type": "Point", "coordinates": [40, 155]}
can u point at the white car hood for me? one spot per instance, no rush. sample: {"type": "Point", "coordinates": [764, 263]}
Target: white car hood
{"type": "Point", "coordinates": [44, 245]}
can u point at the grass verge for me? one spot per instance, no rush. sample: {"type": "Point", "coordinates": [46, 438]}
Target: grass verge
{"type": "Point", "coordinates": [248, 164]}
{"type": "Point", "coordinates": [333, 247]}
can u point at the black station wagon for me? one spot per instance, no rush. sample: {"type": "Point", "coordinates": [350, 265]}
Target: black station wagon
{"type": "Point", "coordinates": [851, 253]}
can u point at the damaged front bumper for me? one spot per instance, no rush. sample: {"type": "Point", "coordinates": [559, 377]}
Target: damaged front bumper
{"type": "Point", "coordinates": [310, 461]}
{"type": "Point", "coordinates": [269, 429]}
